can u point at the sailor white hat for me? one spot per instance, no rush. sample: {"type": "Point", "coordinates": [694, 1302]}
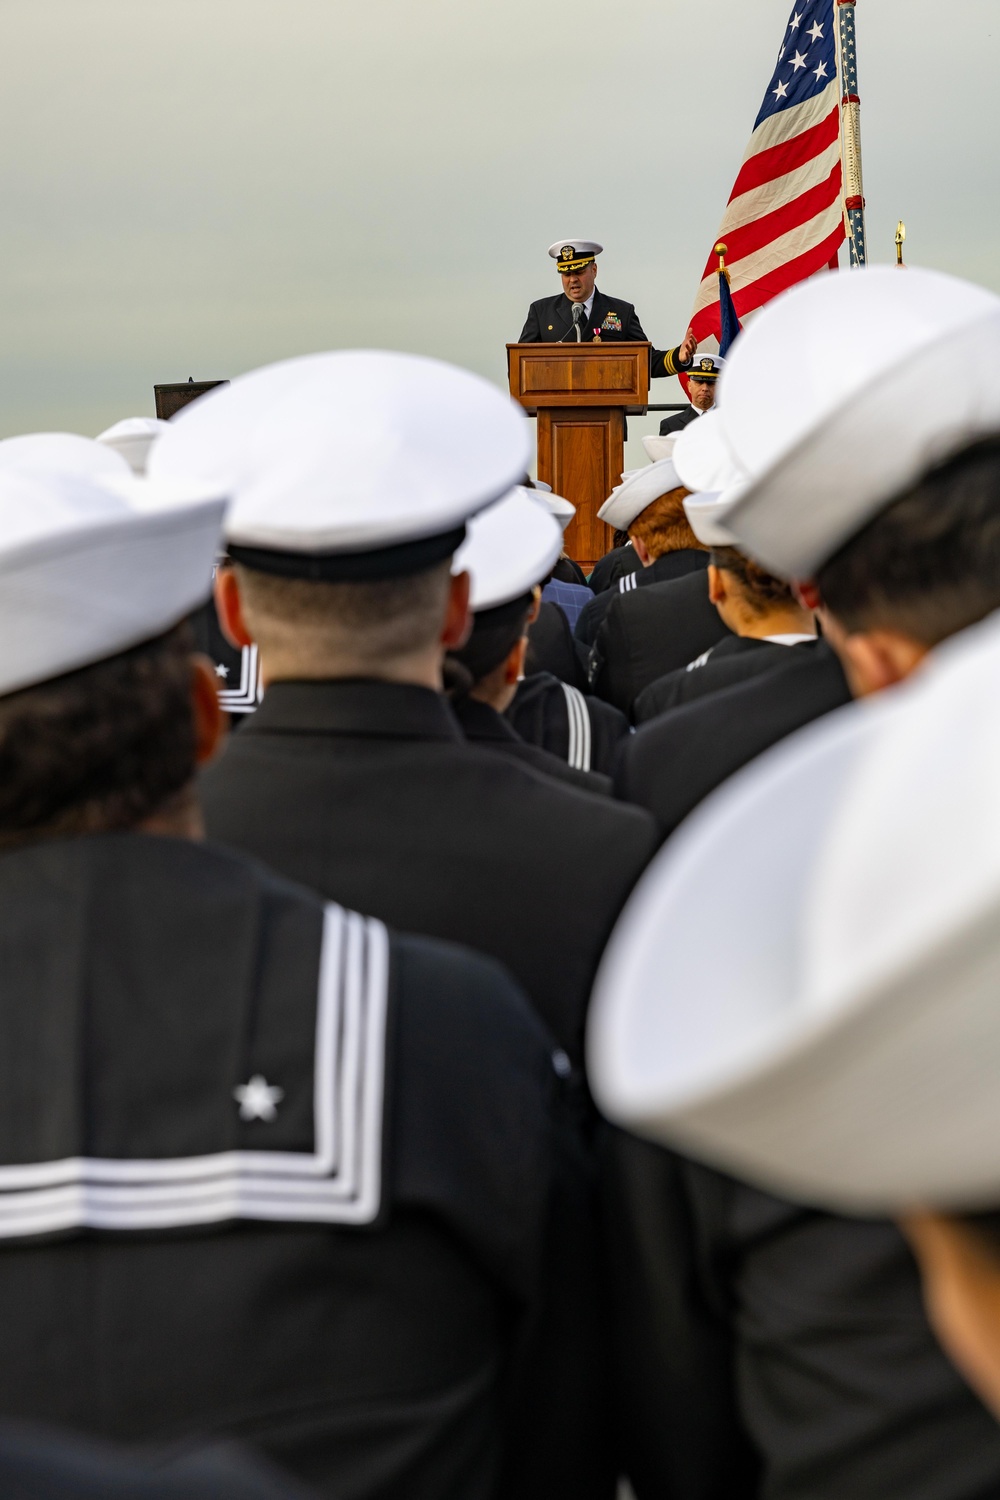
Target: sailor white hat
{"type": "Point", "coordinates": [705, 512]}
{"type": "Point", "coordinates": [353, 464]}
{"type": "Point", "coordinates": [564, 510]}
{"type": "Point", "coordinates": [133, 437]}
{"type": "Point", "coordinates": [89, 568]}
{"type": "Point", "coordinates": [868, 417]}
{"type": "Point", "coordinates": [510, 547]}
{"type": "Point", "coordinates": [844, 1048]}
{"type": "Point", "coordinates": [702, 458]}
{"type": "Point", "coordinates": [639, 488]}
{"type": "Point", "coordinates": [61, 453]}
{"type": "Point", "coordinates": [660, 447]}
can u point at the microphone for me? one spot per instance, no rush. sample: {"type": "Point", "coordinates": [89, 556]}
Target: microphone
{"type": "Point", "coordinates": [578, 316]}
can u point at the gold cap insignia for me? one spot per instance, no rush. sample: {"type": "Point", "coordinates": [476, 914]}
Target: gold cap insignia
{"type": "Point", "coordinates": [709, 365]}
{"type": "Point", "coordinates": [567, 252]}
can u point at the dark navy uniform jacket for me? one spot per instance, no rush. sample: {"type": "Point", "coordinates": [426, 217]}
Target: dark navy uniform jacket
{"type": "Point", "coordinates": [672, 763]}
{"type": "Point", "coordinates": [550, 319]}
{"type": "Point", "coordinates": [581, 730]}
{"type": "Point", "coordinates": [482, 725]}
{"type": "Point", "coordinates": [732, 660]}
{"type": "Point", "coordinates": [612, 566]}
{"type": "Point", "coordinates": [671, 565]}
{"type": "Point", "coordinates": [369, 793]}
{"type": "Point", "coordinates": [650, 631]}
{"type": "Point", "coordinates": [268, 1172]}
{"type": "Point", "coordinates": [766, 1351]}
{"type": "Point", "coordinates": [678, 421]}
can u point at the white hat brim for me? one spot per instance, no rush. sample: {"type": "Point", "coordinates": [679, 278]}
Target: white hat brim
{"type": "Point", "coordinates": [842, 1047]}
{"type": "Point", "coordinates": [638, 489]}
{"type": "Point", "coordinates": [509, 548]}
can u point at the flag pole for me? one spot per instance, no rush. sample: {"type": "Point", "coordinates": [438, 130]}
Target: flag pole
{"type": "Point", "coordinates": [850, 132]}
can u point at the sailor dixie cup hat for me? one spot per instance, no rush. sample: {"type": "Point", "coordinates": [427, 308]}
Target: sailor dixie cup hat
{"type": "Point", "coordinates": [869, 414]}
{"type": "Point", "coordinates": [352, 465]}
{"type": "Point", "coordinates": [843, 1048]}
{"type": "Point", "coordinates": [90, 567]}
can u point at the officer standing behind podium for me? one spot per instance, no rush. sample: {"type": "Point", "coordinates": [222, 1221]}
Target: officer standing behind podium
{"type": "Point", "coordinates": [583, 314]}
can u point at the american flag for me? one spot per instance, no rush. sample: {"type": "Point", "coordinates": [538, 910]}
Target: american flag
{"type": "Point", "coordinates": [785, 218]}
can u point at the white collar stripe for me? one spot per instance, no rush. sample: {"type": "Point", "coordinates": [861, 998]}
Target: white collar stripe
{"type": "Point", "coordinates": [339, 1182]}
{"type": "Point", "coordinates": [248, 694]}
{"type": "Point", "coordinates": [579, 749]}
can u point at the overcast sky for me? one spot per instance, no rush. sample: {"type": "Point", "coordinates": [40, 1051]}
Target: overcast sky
{"type": "Point", "coordinates": [200, 186]}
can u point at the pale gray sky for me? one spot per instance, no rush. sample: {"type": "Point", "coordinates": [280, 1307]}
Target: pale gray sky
{"type": "Point", "coordinates": [200, 186]}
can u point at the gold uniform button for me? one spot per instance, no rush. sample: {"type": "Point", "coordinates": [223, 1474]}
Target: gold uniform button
{"type": "Point", "coordinates": [550, 328]}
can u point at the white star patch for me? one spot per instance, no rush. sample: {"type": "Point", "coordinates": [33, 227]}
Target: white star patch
{"type": "Point", "coordinates": [817, 32]}
{"type": "Point", "coordinates": [796, 21]}
{"type": "Point", "coordinates": [798, 61]}
{"type": "Point", "coordinates": [220, 670]}
{"type": "Point", "coordinates": [820, 72]}
{"type": "Point", "coordinates": [781, 91]}
{"type": "Point", "coordinates": [258, 1099]}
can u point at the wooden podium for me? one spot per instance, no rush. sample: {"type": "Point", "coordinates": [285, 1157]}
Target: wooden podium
{"type": "Point", "coordinates": [581, 394]}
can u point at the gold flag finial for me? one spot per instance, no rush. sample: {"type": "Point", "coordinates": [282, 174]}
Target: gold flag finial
{"type": "Point", "coordinates": [900, 237]}
{"type": "Point", "coordinates": [720, 251]}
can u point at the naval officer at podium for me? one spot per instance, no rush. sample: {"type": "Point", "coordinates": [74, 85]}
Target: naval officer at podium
{"type": "Point", "coordinates": [581, 312]}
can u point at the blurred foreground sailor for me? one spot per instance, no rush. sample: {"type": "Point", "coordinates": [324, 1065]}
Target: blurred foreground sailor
{"type": "Point", "coordinates": [354, 776]}
{"type": "Point", "coordinates": [268, 1171]}
{"type": "Point", "coordinates": [581, 313]}
{"type": "Point", "coordinates": [847, 1053]}
{"type": "Point", "coordinates": [842, 1390]}
{"type": "Point", "coordinates": [508, 549]}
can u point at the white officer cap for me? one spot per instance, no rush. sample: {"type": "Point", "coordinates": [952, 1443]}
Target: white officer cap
{"type": "Point", "coordinates": [639, 488]}
{"type": "Point", "coordinates": [358, 464]}
{"type": "Point", "coordinates": [707, 366]}
{"type": "Point", "coordinates": [91, 567]}
{"type": "Point", "coordinates": [868, 415]}
{"type": "Point", "coordinates": [660, 447]}
{"type": "Point", "coordinates": [61, 453]}
{"type": "Point", "coordinates": [573, 255]}
{"type": "Point", "coordinates": [133, 437]}
{"type": "Point", "coordinates": [844, 1046]}
{"type": "Point", "coordinates": [509, 548]}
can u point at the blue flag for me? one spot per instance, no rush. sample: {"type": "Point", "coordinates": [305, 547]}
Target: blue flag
{"type": "Point", "coordinates": [729, 322]}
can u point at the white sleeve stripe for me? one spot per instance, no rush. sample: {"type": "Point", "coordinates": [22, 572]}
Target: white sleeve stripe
{"type": "Point", "coordinates": [340, 1182]}
{"type": "Point", "coordinates": [579, 749]}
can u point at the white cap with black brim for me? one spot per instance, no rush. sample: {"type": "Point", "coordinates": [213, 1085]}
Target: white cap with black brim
{"type": "Point", "coordinates": [353, 465]}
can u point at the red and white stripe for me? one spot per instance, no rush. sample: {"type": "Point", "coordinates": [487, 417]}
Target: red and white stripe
{"type": "Point", "coordinates": [785, 218]}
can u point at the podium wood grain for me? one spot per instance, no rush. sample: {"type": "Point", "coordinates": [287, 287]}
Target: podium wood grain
{"type": "Point", "coordinates": [581, 394]}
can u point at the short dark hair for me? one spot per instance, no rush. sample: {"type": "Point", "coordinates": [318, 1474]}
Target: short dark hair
{"type": "Point", "coordinates": [101, 748]}
{"type": "Point", "coordinates": [928, 565]}
{"type": "Point", "coordinates": [761, 589]}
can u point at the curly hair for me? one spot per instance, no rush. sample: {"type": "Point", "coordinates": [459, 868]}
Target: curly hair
{"type": "Point", "coordinates": [761, 590]}
{"type": "Point", "coordinates": [101, 748]}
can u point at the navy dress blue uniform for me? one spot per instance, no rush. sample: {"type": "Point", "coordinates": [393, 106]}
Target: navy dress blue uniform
{"type": "Point", "coordinates": [482, 725]}
{"type": "Point", "coordinates": [580, 729]}
{"type": "Point", "coordinates": [369, 793]}
{"type": "Point", "coordinates": [677, 421]}
{"type": "Point", "coordinates": [767, 1351]}
{"type": "Point", "coordinates": [550, 321]}
{"type": "Point", "coordinates": [671, 565]}
{"type": "Point", "coordinates": [612, 566]}
{"type": "Point", "coordinates": [671, 764]}
{"type": "Point", "coordinates": [271, 1173]}
{"type": "Point", "coordinates": [650, 631]}
{"type": "Point", "coordinates": [732, 660]}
